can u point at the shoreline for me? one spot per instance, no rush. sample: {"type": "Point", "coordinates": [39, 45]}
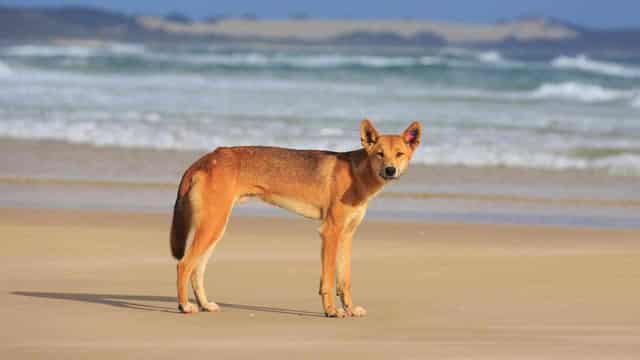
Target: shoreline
{"type": "Point", "coordinates": [20, 151]}
{"type": "Point", "coordinates": [48, 174]}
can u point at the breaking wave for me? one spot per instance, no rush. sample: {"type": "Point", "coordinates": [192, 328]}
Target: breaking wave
{"type": "Point", "coordinates": [450, 57]}
{"type": "Point", "coordinates": [483, 107]}
{"type": "Point", "coordinates": [561, 91]}
{"type": "Point", "coordinates": [584, 63]}
{"type": "Point", "coordinates": [490, 57]}
{"type": "Point", "coordinates": [587, 93]}
{"type": "Point", "coordinates": [155, 133]}
{"type": "Point", "coordinates": [74, 51]}
{"type": "Point", "coordinates": [454, 58]}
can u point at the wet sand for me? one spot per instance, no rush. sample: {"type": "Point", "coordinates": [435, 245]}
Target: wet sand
{"type": "Point", "coordinates": [49, 174]}
{"type": "Point", "coordinates": [100, 285]}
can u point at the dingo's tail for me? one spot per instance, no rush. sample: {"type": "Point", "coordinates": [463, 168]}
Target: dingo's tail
{"type": "Point", "coordinates": [181, 224]}
{"type": "Point", "coordinates": [179, 230]}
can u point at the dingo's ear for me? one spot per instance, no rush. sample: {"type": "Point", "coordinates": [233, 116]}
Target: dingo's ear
{"type": "Point", "coordinates": [412, 135]}
{"type": "Point", "coordinates": [368, 134]}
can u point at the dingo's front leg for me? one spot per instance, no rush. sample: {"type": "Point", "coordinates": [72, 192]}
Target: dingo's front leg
{"type": "Point", "coordinates": [344, 268]}
{"type": "Point", "coordinates": [344, 278]}
{"type": "Point", "coordinates": [330, 235]}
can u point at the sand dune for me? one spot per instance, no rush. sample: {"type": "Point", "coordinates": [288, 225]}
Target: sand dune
{"type": "Point", "coordinates": [318, 30]}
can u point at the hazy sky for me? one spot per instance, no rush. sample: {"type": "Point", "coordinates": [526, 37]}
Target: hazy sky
{"type": "Point", "coordinates": [611, 13]}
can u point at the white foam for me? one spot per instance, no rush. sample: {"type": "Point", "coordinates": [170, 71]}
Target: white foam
{"type": "Point", "coordinates": [625, 164]}
{"type": "Point", "coordinates": [49, 51]}
{"type": "Point", "coordinates": [75, 51]}
{"type": "Point", "coordinates": [490, 57]}
{"type": "Point", "coordinates": [5, 70]}
{"type": "Point", "coordinates": [579, 91]}
{"type": "Point", "coordinates": [431, 60]}
{"type": "Point", "coordinates": [300, 61]}
{"type": "Point", "coordinates": [484, 125]}
{"type": "Point", "coordinates": [74, 54]}
{"type": "Point", "coordinates": [382, 61]}
{"type": "Point", "coordinates": [563, 91]}
{"type": "Point", "coordinates": [584, 63]}
{"type": "Point", "coordinates": [126, 49]}
{"type": "Point", "coordinates": [475, 156]}
{"type": "Point", "coordinates": [319, 61]}
{"type": "Point", "coordinates": [152, 130]}
{"type": "Point", "coordinates": [461, 57]}
{"type": "Point", "coordinates": [323, 61]}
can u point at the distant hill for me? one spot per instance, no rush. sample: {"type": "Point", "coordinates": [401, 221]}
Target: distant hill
{"type": "Point", "coordinates": [587, 38]}
{"type": "Point", "coordinates": [77, 22]}
{"type": "Point", "coordinates": [25, 24]}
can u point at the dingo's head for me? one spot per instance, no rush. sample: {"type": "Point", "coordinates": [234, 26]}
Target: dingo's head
{"type": "Point", "coordinates": [389, 155]}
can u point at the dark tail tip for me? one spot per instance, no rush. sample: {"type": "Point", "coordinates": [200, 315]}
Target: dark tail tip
{"type": "Point", "coordinates": [179, 232]}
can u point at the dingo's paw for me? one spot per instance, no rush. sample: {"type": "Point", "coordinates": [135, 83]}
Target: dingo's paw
{"type": "Point", "coordinates": [358, 311]}
{"type": "Point", "coordinates": [210, 307]}
{"type": "Point", "coordinates": [188, 308]}
{"type": "Point", "coordinates": [336, 313]}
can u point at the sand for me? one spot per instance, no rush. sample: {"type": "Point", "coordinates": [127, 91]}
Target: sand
{"type": "Point", "coordinates": [100, 285]}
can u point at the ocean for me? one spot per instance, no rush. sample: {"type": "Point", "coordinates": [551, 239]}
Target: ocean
{"type": "Point", "coordinates": [480, 108]}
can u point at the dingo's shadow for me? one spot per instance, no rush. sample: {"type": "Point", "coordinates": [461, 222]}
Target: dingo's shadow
{"type": "Point", "coordinates": [134, 302]}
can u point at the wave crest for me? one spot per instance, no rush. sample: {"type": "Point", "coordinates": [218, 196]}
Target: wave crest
{"type": "Point", "coordinates": [74, 51]}
{"type": "Point", "coordinates": [579, 91]}
{"type": "Point", "coordinates": [584, 63]}
{"type": "Point", "coordinates": [72, 54]}
{"type": "Point", "coordinates": [490, 57]}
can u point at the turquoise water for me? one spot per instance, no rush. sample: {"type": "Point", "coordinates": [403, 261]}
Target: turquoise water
{"type": "Point", "coordinates": [548, 110]}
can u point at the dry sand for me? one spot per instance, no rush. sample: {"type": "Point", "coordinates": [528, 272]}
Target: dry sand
{"type": "Point", "coordinates": [101, 285]}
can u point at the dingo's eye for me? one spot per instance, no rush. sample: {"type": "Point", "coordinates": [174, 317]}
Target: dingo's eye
{"type": "Point", "coordinates": [400, 154]}
{"type": "Point", "coordinates": [380, 154]}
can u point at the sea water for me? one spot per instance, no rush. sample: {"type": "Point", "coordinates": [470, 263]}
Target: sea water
{"type": "Point", "coordinates": [479, 107]}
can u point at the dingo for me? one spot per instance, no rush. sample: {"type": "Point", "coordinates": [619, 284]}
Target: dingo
{"type": "Point", "coordinates": [333, 187]}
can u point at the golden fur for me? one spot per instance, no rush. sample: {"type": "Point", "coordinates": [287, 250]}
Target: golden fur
{"type": "Point", "coordinates": [332, 187]}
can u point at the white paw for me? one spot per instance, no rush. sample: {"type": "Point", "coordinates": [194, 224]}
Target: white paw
{"type": "Point", "coordinates": [188, 308]}
{"type": "Point", "coordinates": [336, 313]}
{"type": "Point", "coordinates": [210, 307]}
{"type": "Point", "coordinates": [358, 311]}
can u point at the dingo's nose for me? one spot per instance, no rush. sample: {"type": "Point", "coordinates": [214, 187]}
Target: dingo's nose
{"type": "Point", "coordinates": [390, 171]}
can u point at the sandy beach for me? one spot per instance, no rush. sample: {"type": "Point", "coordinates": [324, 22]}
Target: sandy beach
{"type": "Point", "coordinates": [515, 234]}
{"type": "Point", "coordinates": [81, 284]}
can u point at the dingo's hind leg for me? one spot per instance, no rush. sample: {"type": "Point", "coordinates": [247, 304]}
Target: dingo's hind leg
{"type": "Point", "coordinates": [209, 228]}
{"type": "Point", "coordinates": [197, 280]}
{"type": "Point", "coordinates": [187, 265]}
